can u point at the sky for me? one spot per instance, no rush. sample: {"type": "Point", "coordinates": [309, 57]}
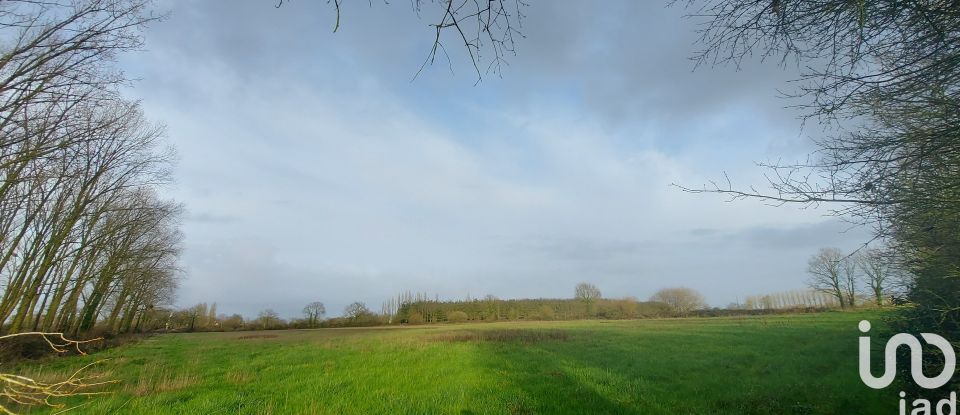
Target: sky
{"type": "Point", "coordinates": [313, 167]}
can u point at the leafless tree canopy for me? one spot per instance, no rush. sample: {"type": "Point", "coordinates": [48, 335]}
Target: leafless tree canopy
{"type": "Point", "coordinates": [486, 29]}
{"type": "Point", "coordinates": [314, 312]}
{"type": "Point", "coordinates": [356, 310]}
{"type": "Point", "coordinates": [891, 67]}
{"type": "Point", "coordinates": [84, 237]}
{"type": "Point", "coordinates": [683, 300]}
{"type": "Point", "coordinates": [269, 319]}
{"type": "Point", "coordinates": [586, 292]}
{"type": "Point", "coordinates": [854, 53]}
{"type": "Point", "coordinates": [827, 275]}
{"type": "Point", "coordinates": [878, 273]}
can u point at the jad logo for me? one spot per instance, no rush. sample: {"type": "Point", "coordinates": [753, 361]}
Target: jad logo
{"type": "Point", "coordinates": [946, 406]}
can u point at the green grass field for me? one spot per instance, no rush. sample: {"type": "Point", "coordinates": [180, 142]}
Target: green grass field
{"type": "Point", "coordinates": [799, 364]}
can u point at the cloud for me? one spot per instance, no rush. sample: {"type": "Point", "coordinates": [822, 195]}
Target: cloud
{"type": "Point", "coordinates": [314, 170]}
{"type": "Point", "coordinates": [810, 236]}
{"type": "Point", "coordinates": [210, 218]}
{"type": "Point", "coordinates": [588, 250]}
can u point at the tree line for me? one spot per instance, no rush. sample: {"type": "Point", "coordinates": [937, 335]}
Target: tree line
{"type": "Point", "coordinates": [409, 308]}
{"type": "Point", "coordinates": [786, 300]}
{"type": "Point", "coordinates": [416, 308]}
{"type": "Point", "coordinates": [837, 280]}
{"type": "Point", "coordinates": [85, 238]}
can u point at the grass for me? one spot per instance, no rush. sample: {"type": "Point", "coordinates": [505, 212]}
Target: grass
{"type": "Point", "coordinates": [799, 364]}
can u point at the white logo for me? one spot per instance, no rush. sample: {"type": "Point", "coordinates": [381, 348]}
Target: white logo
{"type": "Point", "coordinates": [916, 359]}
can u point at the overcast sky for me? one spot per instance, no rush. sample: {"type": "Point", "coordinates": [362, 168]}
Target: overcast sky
{"type": "Point", "coordinates": [313, 169]}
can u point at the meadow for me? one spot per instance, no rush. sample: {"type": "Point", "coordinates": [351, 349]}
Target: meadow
{"type": "Point", "coordinates": [788, 364]}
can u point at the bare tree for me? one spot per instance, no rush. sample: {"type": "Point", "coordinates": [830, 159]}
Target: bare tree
{"type": "Point", "coordinates": [849, 277]}
{"type": "Point", "coordinates": [586, 292]}
{"type": "Point", "coordinates": [232, 322]}
{"type": "Point", "coordinates": [683, 300]}
{"type": "Point", "coordinates": [314, 312]}
{"type": "Point", "coordinates": [356, 311]}
{"type": "Point", "coordinates": [877, 273]}
{"type": "Point", "coordinates": [269, 319]}
{"type": "Point", "coordinates": [83, 236]}
{"type": "Point", "coordinates": [825, 269]}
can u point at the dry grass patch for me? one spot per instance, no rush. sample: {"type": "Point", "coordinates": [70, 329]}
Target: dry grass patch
{"type": "Point", "coordinates": [258, 336]}
{"type": "Point", "coordinates": [239, 377]}
{"type": "Point", "coordinates": [163, 383]}
{"type": "Point", "coordinates": [503, 335]}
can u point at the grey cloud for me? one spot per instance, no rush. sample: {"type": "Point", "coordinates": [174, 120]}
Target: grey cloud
{"type": "Point", "coordinates": [632, 61]}
{"type": "Point", "coordinates": [704, 232]}
{"type": "Point", "coordinates": [211, 218]}
{"type": "Point", "coordinates": [628, 60]}
{"type": "Point", "coordinates": [808, 236]}
{"type": "Point", "coordinates": [585, 249]}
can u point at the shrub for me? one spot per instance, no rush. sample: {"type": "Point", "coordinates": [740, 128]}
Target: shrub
{"type": "Point", "coordinates": [457, 316]}
{"type": "Point", "coordinates": [415, 318]}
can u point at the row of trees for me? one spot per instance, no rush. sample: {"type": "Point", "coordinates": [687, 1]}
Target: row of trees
{"type": "Point", "coordinates": [494, 309]}
{"type": "Point", "coordinates": [846, 277]}
{"type": "Point", "coordinates": [420, 308]}
{"type": "Point", "coordinates": [202, 317]}
{"type": "Point", "coordinates": [587, 302]}
{"type": "Point", "coordinates": [84, 237]}
{"type": "Point", "coordinates": [787, 300]}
